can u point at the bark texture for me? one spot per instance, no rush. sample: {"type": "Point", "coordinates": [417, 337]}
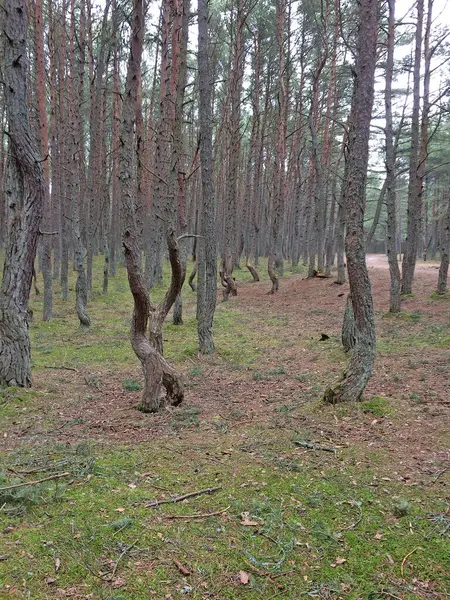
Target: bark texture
{"type": "Point", "coordinates": [349, 331]}
{"type": "Point", "coordinates": [445, 251]}
{"type": "Point", "coordinates": [361, 363]}
{"type": "Point", "coordinates": [391, 225]}
{"type": "Point", "coordinates": [160, 378]}
{"type": "Point", "coordinates": [25, 192]}
{"type": "Point", "coordinates": [414, 185]}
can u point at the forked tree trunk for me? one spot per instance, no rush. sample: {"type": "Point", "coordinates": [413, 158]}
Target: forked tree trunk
{"type": "Point", "coordinates": [25, 192]}
{"type": "Point", "coordinates": [363, 356]}
{"type": "Point", "coordinates": [159, 376]}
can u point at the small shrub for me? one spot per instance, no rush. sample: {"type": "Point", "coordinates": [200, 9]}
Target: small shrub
{"type": "Point", "coordinates": [401, 509]}
{"type": "Point", "coordinates": [376, 406]}
{"type": "Point", "coordinates": [130, 385]}
{"type": "Point", "coordinates": [276, 371]}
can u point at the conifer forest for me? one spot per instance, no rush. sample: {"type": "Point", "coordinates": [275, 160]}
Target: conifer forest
{"type": "Point", "coordinates": [224, 303]}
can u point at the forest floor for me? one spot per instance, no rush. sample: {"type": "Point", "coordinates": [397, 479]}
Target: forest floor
{"type": "Point", "coordinates": [308, 500]}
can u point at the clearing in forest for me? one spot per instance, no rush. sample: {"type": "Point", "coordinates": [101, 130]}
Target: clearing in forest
{"type": "Point", "coordinates": [286, 498]}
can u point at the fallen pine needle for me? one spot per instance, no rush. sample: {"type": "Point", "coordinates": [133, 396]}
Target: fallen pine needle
{"type": "Point", "coordinates": [402, 568]}
{"type": "Point", "coordinates": [199, 515]}
{"type": "Point", "coordinates": [24, 483]}
{"type": "Point", "coordinates": [180, 567]}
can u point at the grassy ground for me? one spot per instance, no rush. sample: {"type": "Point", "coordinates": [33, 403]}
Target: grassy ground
{"type": "Point", "coordinates": [369, 519]}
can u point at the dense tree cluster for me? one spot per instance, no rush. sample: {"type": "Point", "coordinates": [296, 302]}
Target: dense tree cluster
{"type": "Point", "coordinates": [139, 140]}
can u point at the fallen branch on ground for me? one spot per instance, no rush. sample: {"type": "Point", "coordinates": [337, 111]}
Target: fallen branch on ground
{"type": "Point", "coordinates": [315, 447]}
{"type": "Point", "coordinates": [199, 515]}
{"type": "Point", "coordinates": [183, 497]}
{"type": "Point", "coordinates": [24, 483]}
{"type": "Point", "coordinates": [62, 368]}
{"type": "Point", "coordinates": [402, 568]}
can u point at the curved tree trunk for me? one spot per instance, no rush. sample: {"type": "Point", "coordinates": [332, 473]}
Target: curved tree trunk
{"type": "Point", "coordinates": [253, 272]}
{"type": "Point", "coordinates": [25, 192]}
{"type": "Point", "coordinates": [159, 376]}
{"type": "Point", "coordinates": [363, 356]}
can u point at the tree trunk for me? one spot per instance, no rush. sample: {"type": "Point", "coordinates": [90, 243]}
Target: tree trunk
{"type": "Point", "coordinates": [363, 356]}
{"type": "Point", "coordinates": [207, 245]}
{"type": "Point", "coordinates": [158, 374]}
{"type": "Point", "coordinates": [445, 251]}
{"type": "Point", "coordinates": [391, 225]}
{"type": "Point", "coordinates": [25, 192]}
{"type": "Point", "coordinates": [349, 331]}
{"type": "Point", "coordinates": [41, 97]}
{"type": "Point", "coordinates": [414, 185]}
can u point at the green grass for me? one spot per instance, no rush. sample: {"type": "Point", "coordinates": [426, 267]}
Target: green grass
{"type": "Point", "coordinates": [377, 406]}
{"type": "Point", "coordinates": [306, 525]}
{"type": "Point", "coordinates": [328, 526]}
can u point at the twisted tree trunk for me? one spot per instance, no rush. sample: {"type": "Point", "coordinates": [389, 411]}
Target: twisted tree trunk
{"type": "Point", "coordinates": [25, 193]}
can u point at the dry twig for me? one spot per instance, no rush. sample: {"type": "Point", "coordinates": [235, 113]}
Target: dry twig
{"type": "Point", "coordinates": [24, 483]}
{"type": "Point", "coordinates": [402, 568]}
{"type": "Point", "coordinates": [183, 497]}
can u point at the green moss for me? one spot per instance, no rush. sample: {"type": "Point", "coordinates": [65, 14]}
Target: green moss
{"type": "Point", "coordinates": [377, 406]}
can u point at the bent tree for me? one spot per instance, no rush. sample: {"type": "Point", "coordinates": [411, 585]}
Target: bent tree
{"type": "Point", "coordinates": [362, 359]}
{"type": "Point", "coordinates": [158, 374]}
{"type": "Point", "coordinates": [25, 192]}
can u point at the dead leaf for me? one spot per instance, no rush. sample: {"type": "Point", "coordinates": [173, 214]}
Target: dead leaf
{"type": "Point", "coordinates": [339, 561]}
{"type": "Point", "coordinates": [244, 577]}
{"type": "Point", "coordinates": [119, 582]}
{"type": "Point", "coordinates": [246, 523]}
{"type": "Point", "coordinates": [50, 581]}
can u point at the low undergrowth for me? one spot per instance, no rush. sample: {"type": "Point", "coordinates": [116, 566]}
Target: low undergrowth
{"type": "Point", "coordinates": [279, 522]}
{"type": "Point", "coordinates": [286, 499]}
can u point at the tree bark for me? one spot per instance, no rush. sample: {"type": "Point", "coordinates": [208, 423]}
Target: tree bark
{"type": "Point", "coordinates": [363, 356]}
{"type": "Point", "coordinates": [391, 201]}
{"type": "Point", "coordinates": [25, 192]}
{"type": "Point", "coordinates": [349, 331]}
{"type": "Point", "coordinates": [41, 97]}
{"type": "Point", "coordinates": [445, 251]}
{"type": "Point", "coordinates": [158, 374]}
{"type": "Point", "coordinates": [207, 245]}
{"type": "Point", "coordinates": [414, 185]}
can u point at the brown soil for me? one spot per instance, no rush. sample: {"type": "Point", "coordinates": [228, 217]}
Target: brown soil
{"type": "Point", "coordinates": [415, 379]}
